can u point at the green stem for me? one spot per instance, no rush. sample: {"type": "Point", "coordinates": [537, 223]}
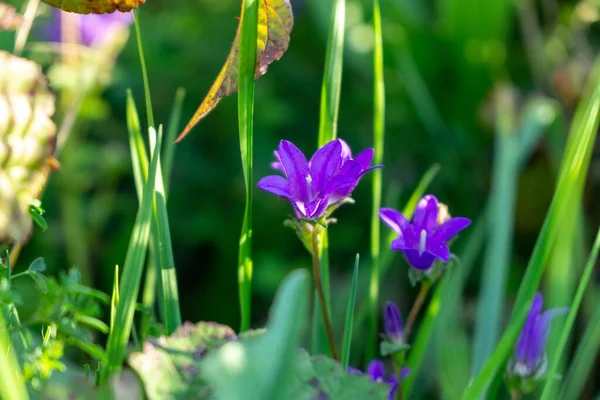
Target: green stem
{"type": "Point", "coordinates": [419, 301]}
{"type": "Point", "coordinates": [320, 293]}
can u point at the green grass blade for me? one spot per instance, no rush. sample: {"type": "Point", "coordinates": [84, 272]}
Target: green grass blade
{"type": "Point", "coordinates": [567, 195]}
{"type": "Point", "coordinates": [171, 135]}
{"type": "Point", "coordinates": [499, 233]}
{"type": "Point", "coordinates": [12, 385]}
{"type": "Point", "coordinates": [249, 29]}
{"type": "Point", "coordinates": [332, 78]}
{"type": "Point", "coordinates": [347, 341]}
{"type": "Point", "coordinates": [132, 275]}
{"type": "Point", "coordinates": [378, 143]}
{"type": "Point", "coordinates": [114, 299]}
{"type": "Point", "coordinates": [494, 364]}
{"type": "Point", "coordinates": [551, 384]}
{"type": "Point", "coordinates": [138, 34]}
{"type": "Point", "coordinates": [583, 361]}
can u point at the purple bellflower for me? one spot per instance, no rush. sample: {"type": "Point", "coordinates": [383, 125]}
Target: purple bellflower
{"type": "Point", "coordinates": [394, 328]}
{"type": "Point", "coordinates": [425, 239]}
{"type": "Point", "coordinates": [376, 372]}
{"type": "Point", "coordinates": [93, 29]}
{"type": "Point", "coordinates": [529, 360]}
{"type": "Point", "coordinates": [314, 186]}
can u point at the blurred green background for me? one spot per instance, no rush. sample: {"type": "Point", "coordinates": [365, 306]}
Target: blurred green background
{"type": "Point", "coordinates": [444, 60]}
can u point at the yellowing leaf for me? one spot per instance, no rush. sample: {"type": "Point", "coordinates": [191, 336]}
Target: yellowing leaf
{"type": "Point", "coordinates": [27, 136]}
{"type": "Point", "coordinates": [275, 22]}
{"type": "Point", "coordinates": [95, 6]}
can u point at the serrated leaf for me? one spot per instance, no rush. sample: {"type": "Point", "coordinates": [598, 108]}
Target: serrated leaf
{"type": "Point", "coordinates": [27, 136]}
{"type": "Point", "coordinates": [95, 6]}
{"type": "Point", "coordinates": [9, 18]}
{"type": "Point", "coordinates": [275, 22]}
{"type": "Point", "coordinates": [169, 365]}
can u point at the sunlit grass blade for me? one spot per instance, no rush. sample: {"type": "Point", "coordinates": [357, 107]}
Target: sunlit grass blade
{"type": "Point", "coordinates": [12, 385]}
{"type": "Point", "coordinates": [583, 361]}
{"type": "Point", "coordinates": [161, 247]}
{"type": "Point", "coordinates": [568, 192]}
{"type": "Point", "coordinates": [347, 341]}
{"type": "Point", "coordinates": [478, 386]}
{"type": "Point", "coordinates": [114, 299]}
{"type": "Point", "coordinates": [132, 274]}
{"type": "Point", "coordinates": [552, 384]}
{"type": "Point", "coordinates": [170, 136]}
{"type": "Point", "coordinates": [249, 30]}
{"type": "Point", "coordinates": [499, 233]}
{"type": "Point", "coordinates": [378, 143]}
{"type": "Point", "coordinates": [328, 117]}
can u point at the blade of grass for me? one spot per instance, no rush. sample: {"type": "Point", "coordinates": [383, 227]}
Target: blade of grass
{"type": "Point", "coordinates": [11, 379]}
{"type": "Point", "coordinates": [551, 383]}
{"type": "Point", "coordinates": [499, 233]}
{"type": "Point", "coordinates": [569, 188]}
{"type": "Point", "coordinates": [378, 143]}
{"type": "Point", "coordinates": [328, 117]}
{"type": "Point", "coordinates": [478, 386]}
{"type": "Point", "coordinates": [161, 246]}
{"type": "Point", "coordinates": [132, 275]}
{"type": "Point", "coordinates": [171, 135]}
{"type": "Point", "coordinates": [583, 361]}
{"type": "Point", "coordinates": [114, 299]}
{"type": "Point", "coordinates": [347, 341]}
{"type": "Point", "coordinates": [249, 29]}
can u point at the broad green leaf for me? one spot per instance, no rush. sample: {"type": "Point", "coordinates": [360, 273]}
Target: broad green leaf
{"type": "Point", "coordinates": [27, 135]}
{"type": "Point", "coordinates": [9, 18]}
{"type": "Point", "coordinates": [275, 22]}
{"type": "Point", "coordinates": [169, 366]}
{"type": "Point", "coordinates": [95, 7]}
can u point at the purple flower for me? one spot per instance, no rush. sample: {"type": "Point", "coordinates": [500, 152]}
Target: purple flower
{"type": "Point", "coordinates": [313, 186]}
{"type": "Point", "coordinates": [426, 238]}
{"type": "Point", "coordinates": [376, 372]}
{"type": "Point", "coordinates": [93, 29]}
{"type": "Point", "coordinates": [529, 359]}
{"type": "Point", "coordinates": [394, 329]}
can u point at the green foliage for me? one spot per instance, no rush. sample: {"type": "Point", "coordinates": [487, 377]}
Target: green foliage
{"type": "Point", "coordinates": [349, 322]}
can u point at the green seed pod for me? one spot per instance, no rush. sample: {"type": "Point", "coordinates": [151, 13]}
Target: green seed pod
{"type": "Point", "coordinates": [27, 136]}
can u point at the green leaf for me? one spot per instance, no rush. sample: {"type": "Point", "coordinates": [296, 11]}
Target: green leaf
{"type": "Point", "coordinates": [347, 341]}
{"type": "Point", "coordinates": [275, 22]}
{"type": "Point", "coordinates": [171, 135]}
{"type": "Point", "coordinates": [11, 378]}
{"type": "Point", "coordinates": [27, 134]}
{"type": "Point", "coordinates": [132, 274]}
{"type": "Point", "coordinates": [36, 213]}
{"type": "Point", "coordinates": [551, 384]}
{"type": "Point", "coordinates": [169, 366]}
{"type": "Point", "coordinates": [37, 265]}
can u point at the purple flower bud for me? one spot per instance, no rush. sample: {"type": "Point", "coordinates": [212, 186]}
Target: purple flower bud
{"type": "Point", "coordinates": [313, 186]}
{"type": "Point", "coordinates": [394, 329]}
{"type": "Point", "coordinates": [423, 240]}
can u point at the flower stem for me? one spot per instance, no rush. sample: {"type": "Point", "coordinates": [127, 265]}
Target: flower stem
{"type": "Point", "coordinates": [320, 294]}
{"type": "Point", "coordinates": [416, 308]}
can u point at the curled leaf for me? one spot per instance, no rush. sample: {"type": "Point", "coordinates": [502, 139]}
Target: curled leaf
{"type": "Point", "coordinates": [95, 6]}
{"type": "Point", "coordinates": [9, 18]}
{"type": "Point", "coordinates": [275, 22]}
{"type": "Point", "coordinates": [27, 136]}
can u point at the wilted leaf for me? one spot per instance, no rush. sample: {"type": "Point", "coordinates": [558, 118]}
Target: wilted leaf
{"type": "Point", "coordinates": [275, 22]}
{"type": "Point", "coordinates": [27, 136]}
{"type": "Point", "coordinates": [95, 6]}
{"type": "Point", "coordinates": [169, 365]}
{"type": "Point", "coordinates": [9, 19]}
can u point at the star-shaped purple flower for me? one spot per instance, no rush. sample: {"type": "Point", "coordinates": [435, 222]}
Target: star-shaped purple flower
{"type": "Point", "coordinates": [426, 238]}
{"type": "Point", "coordinates": [93, 28]}
{"type": "Point", "coordinates": [529, 359]}
{"type": "Point", "coordinates": [313, 186]}
{"type": "Point", "coordinates": [376, 372]}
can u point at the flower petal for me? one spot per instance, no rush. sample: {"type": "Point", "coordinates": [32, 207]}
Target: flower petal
{"type": "Point", "coordinates": [525, 338]}
{"type": "Point", "coordinates": [421, 262]}
{"type": "Point", "coordinates": [364, 158]}
{"type": "Point", "coordinates": [324, 163]}
{"type": "Point", "coordinates": [346, 151]}
{"type": "Point", "coordinates": [393, 219]}
{"type": "Point", "coordinates": [426, 214]}
{"type": "Point", "coordinates": [276, 165]}
{"type": "Point", "coordinates": [439, 250]}
{"type": "Point", "coordinates": [451, 227]}
{"type": "Point", "coordinates": [393, 326]}
{"type": "Point", "coordinates": [376, 370]}
{"type": "Point", "coordinates": [296, 169]}
{"type": "Point", "coordinates": [275, 184]}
